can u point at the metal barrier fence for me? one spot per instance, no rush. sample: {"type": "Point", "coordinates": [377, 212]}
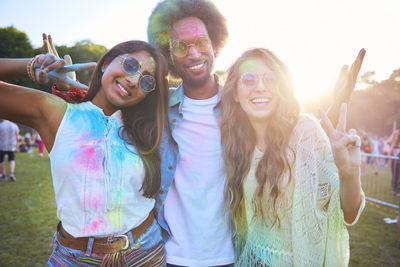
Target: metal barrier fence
{"type": "Point", "coordinates": [376, 181]}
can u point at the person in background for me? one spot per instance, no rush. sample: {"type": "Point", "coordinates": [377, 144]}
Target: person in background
{"type": "Point", "coordinates": [394, 150]}
{"type": "Point", "coordinates": [366, 148]}
{"type": "Point", "coordinates": [28, 141]}
{"type": "Point", "coordinates": [19, 144]}
{"type": "Point", "coordinates": [394, 141]}
{"type": "Point", "coordinates": [39, 142]}
{"type": "Point", "coordinates": [377, 152]}
{"type": "Point", "coordinates": [9, 133]}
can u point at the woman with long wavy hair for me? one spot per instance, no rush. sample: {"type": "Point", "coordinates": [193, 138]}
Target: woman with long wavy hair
{"type": "Point", "coordinates": [289, 202]}
{"type": "Point", "coordinates": [104, 157]}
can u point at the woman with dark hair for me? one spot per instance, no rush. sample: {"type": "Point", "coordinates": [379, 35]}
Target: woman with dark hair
{"type": "Point", "coordinates": [104, 157]}
{"type": "Point", "coordinates": [287, 203]}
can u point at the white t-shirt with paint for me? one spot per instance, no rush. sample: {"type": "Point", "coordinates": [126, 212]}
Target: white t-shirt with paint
{"type": "Point", "coordinates": [194, 205]}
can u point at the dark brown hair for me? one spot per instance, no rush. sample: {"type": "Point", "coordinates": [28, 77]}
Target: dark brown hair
{"type": "Point", "coordinates": [144, 122]}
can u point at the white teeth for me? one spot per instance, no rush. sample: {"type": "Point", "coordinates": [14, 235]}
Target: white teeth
{"type": "Point", "coordinates": [260, 100]}
{"type": "Point", "coordinates": [122, 89]}
{"type": "Point", "coordinates": [197, 66]}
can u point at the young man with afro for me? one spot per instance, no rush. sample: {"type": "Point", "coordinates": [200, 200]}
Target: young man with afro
{"type": "Point", "coordinates": [191, 33]}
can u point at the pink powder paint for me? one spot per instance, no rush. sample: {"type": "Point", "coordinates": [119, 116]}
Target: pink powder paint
{"type": "Point", "coordinates": [96, 200]}
{"type": "Point", "coordinates": [88, 156]}
{"type": "Point", "coordinates": [94, 225]}
{"type": "Point", "coordinates": [189, 29]}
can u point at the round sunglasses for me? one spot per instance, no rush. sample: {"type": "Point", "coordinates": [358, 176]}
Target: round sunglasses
{"type": "Point", "coordinates": [250, 80]}
{"type": "Point", "coordinates": [132, 67]}
{"type": "Point", "coordinates": [181, 48]}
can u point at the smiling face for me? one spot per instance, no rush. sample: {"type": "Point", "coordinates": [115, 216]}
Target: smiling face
{"type": "Point", "coordinates": [196, 66]}
{"type": "Point", "coordinates": [256, 90]}
{"type": "Point", "coordinates": [120, 89]}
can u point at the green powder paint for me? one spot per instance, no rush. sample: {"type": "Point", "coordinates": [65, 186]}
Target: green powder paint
{"type": "Point", "coordinates": [153, 63]}
{"type": "Point", "coordinates": [247, 66]}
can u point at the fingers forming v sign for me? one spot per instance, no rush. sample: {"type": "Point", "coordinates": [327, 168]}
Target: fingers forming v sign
{"type": "Point", "coordinates": [47, 62]}
{"type": "Point", "coordinates": [61, 71]}
{"type": "Point", "coordinates": [345, 146]}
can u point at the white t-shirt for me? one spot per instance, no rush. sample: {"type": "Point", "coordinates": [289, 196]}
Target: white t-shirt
{"type": "Point", "coordinates": [8, 135]}
{"type": "Point", "coordinates": [376, 147]}
{"type": "Point", "coordinates": [194, 206]}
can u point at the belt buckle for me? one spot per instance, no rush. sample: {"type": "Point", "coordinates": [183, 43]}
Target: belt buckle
{"type": "Point", "coordinates": [125, 237]}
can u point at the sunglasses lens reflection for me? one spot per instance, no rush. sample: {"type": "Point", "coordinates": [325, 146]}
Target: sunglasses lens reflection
{"type": "Point", "coordinates": [180, 48]}
{"type": "Point", "coordinates": [202, 44]}
{"type": "Point", "coordinates": [147, 83]}
{"type": "Point", "coordinates": [131, 65]}
{"type": "Point", "coordinates": [249, 80]}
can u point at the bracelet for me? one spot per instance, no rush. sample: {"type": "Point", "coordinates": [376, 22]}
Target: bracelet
{"type": "Point", "coordinates": [30, 68]}
{"type": "Point", "coordinates": [33, 68]}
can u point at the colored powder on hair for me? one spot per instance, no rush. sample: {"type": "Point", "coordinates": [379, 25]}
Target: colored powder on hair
{"type": "Point", "coordinates": [247, 66]}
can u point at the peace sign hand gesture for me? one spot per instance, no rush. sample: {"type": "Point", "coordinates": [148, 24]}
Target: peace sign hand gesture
{"type": "Point", "coordinates": [345, 146]}
{"type": "Point", "coordinates": [51, 68]}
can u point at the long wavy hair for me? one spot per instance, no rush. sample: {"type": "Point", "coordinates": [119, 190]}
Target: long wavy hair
{"type": "Point", "coordinates": [143, 122]}
{"type": "Point", "coordinates": [239, 141]}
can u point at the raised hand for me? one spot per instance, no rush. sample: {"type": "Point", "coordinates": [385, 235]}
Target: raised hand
{"type": "Point", "coordinates": [64, 82]}
{"type": "Point", "coordinates": [345, 146]}
{"type": "Point", "coordinates": [51, 68]}
{"type": "Point", "coordinates": [344, 86]}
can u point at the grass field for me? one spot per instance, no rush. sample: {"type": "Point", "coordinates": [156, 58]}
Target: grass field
{"type": "Point", "coordinates": [28, 220]}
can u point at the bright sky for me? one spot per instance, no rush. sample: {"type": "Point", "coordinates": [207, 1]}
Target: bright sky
{"type": "Point", "coordinates": [315, 38]}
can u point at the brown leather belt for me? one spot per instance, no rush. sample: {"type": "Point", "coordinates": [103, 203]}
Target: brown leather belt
{"type": "Point", "coordinates": [105, 244]}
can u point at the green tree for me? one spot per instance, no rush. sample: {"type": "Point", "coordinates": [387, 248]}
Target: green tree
{"type": "Point", "coordinates": [83, 51]}
{"type": "Point", "coordinates": [368, 78]}
{"type": "Point", "coordinates": [375, 108]}
{"type": "Point", "coordinates": [14, 43]}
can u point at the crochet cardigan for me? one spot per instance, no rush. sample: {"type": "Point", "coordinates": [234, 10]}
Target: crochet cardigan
{"type": "Point", "coordinates": [312, 229]}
